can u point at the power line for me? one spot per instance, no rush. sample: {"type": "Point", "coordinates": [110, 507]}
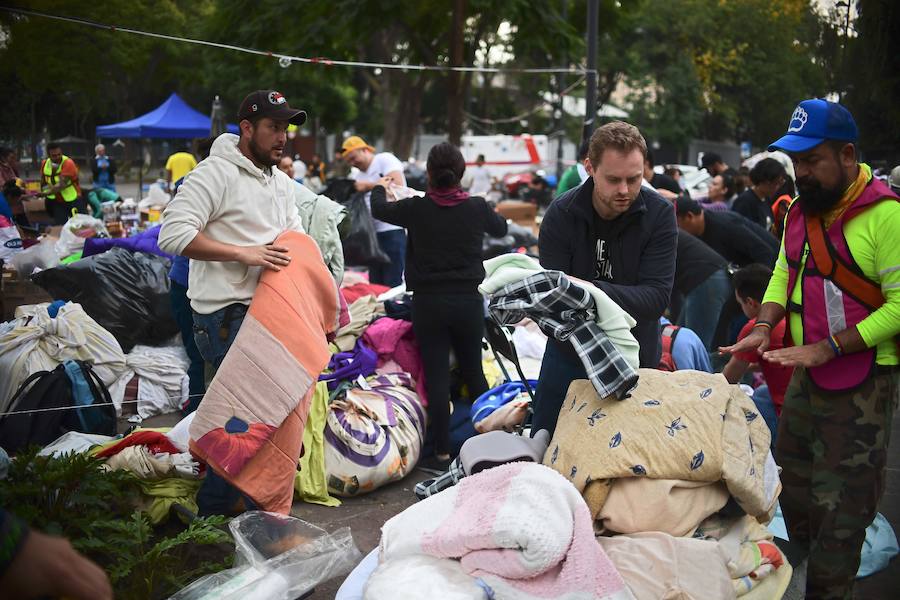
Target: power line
{"type": "Point", "coordinates": [86, 406]}
{"type": "Point", "coordinates": [285, 60]}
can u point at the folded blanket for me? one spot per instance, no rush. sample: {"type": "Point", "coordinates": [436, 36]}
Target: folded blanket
{"type": "Point", "coordinates": [684, 425]}
{"type": "Point", "coordinates": [615, 322]}
{"type": "Point", "coordinates": [566, 312]}
{"type": "Point", "coordinates": [520, 527]}
{"type": "Point", "coordinates": [657, 566]}
{"type": "Point", "coordinates": [249, 426]}
{"type": "Point", "coordinates": [637, 504]}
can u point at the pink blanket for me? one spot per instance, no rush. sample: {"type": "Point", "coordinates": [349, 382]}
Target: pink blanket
{"type": "Point", "coordinates": [393, 340]}
{"type": "Point", "coordinates": [522, 528]}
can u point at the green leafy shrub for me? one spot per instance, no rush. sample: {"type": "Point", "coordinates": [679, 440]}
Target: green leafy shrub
{"type": "Point", "coordinates": [74, 497]}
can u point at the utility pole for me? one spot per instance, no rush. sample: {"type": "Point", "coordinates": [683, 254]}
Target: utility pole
{"type": "Point", "coordinates": [590, 106]}
{"type": "Point", "coordinates": [842, 72]}
{"type": "Point", "coordinates": [560, 86]}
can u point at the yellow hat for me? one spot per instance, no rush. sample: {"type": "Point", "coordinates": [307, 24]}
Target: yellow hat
{"type": "Point", "coordinates": [354, 142]}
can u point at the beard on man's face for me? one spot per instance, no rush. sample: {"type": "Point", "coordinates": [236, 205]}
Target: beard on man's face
{"type": "Point", "coordinates": [817, 200]}
{"type": "Point", "coordinates": [262, 155]}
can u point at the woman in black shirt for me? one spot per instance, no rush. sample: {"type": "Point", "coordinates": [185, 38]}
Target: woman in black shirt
{"type": "Point", "coordinates": [443, 269]}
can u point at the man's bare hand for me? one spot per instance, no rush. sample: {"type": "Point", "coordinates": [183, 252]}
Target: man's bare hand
{"type": "Point", "coordinates": [269, 256]}
{"type": "Point", "coordinates": [757, 340]}
{"type": "Point", "coordinates": [49, 566]}
{"type": "Point", "coordinates": [808, 355]}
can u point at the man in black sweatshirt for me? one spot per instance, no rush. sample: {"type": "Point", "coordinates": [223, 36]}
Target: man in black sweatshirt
{"type": "Point", "coordinates": [739, 240]}
{"type": "Point", "coordinates": [619, 236]}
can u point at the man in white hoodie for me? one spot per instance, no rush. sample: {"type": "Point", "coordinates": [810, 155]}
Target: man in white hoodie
{"type": "Point", "coordinates": [225, 218]}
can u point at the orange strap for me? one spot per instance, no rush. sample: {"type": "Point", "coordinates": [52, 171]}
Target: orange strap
{"type": "Point", "coordinates": [834, 269]}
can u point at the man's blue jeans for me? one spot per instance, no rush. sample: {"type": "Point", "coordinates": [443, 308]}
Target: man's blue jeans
{"type": "Point", "coordinates": [558, 371]}
{"type": "Point", "coordinates": [214, 333]}
{"type": "Point", "coordinates": [703, 305]}
{"type": "Point", "coordinates": [181, 310]}
{"type": "Point", "coordinates": [392, 243]}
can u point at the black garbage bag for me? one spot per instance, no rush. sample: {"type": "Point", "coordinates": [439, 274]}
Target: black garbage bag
{"type": "Point", "coordinates": [340, 190]}
{"type": "Point", "coordinates": [361, 244]}
{"type": "Point", "coordinates": [126, 292]}
{"type": "Point", "coordinates": [523, 235]}
{"type": "Point", "coordinates": [493, 247]}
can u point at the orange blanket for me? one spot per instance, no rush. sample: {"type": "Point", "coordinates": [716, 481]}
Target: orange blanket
{"type": "Point", "coordinates": [249, 426]}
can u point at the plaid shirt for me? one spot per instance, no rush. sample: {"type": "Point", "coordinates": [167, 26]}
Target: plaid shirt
{"type": "Point", "coordinates": [430, 487]}
{"type": "Point", "coordinates": [567, 312]}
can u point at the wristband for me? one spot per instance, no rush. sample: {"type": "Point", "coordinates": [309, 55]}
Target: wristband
{"type": "Point", "coordinates": [838, 344]}
{"type": "Point", "coordinates": [765, 324]}
{"type": "Point", "coordinates": [835, 347]}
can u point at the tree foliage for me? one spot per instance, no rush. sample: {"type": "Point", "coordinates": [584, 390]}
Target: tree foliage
{"type": "Point", "coordinates": [872, 78]}
{"type": "Point", "coordinates": [719, 69]}
{"type": "Point", "coordinates": [731, 70]}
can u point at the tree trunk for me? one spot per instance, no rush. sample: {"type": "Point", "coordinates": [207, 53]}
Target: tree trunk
{"type": "Point", "coordinates": [455, 96]}
{"type": "Point", "coordinates": [407, 116]}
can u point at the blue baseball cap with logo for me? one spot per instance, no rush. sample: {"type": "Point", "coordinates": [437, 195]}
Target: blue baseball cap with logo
{"type": "Point", "coordinates": [815, 121]}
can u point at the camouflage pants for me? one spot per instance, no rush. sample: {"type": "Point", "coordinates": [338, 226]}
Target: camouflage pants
{"type": "Point", "coordinates": [833, 449]}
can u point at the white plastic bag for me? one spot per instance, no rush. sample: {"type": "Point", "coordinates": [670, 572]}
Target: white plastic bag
{"type": "Point", "coordinates": [39, 342]}
{"type": "Point", "coordinates": [75, 231]}
{"type": "Point", "coordinates": [278, 557]}
{"type": "Point", "coordinates": [156, 197]}
{"type": "Point", "coordinates": [10, 242]}
{"type": "Point", "coordinates": [40, 256]}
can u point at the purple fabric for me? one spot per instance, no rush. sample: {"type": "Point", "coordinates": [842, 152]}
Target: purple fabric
{"type": "Point", "coordinates": [362, 360]}
{"type": "Point", "coordinates": [715, 206]}
{"type": "Point", "coordinates": [146, 241]}
{"type": "Point", "coordinates": [363, 460]}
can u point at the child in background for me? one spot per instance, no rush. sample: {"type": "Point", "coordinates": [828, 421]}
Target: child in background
{"type": "Point", "coordinates": [749, 287]}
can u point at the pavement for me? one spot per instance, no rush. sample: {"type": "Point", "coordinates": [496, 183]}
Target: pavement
{"type": "Point", "coordinates": [365, 515]}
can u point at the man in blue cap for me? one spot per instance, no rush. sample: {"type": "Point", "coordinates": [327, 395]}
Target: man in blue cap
{"type": "Point", "coordinates": [837, 278]}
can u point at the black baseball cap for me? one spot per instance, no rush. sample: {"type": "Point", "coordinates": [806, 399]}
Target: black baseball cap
{"type": "Point", "coordinates": [272, 104]}
{"type": "Point", "coordinates": [709, 159]}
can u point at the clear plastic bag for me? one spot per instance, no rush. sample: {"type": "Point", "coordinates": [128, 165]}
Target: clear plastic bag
{"type": "Point", "coordinates": [75, 231]}
{"type": "Point", "coordinates": [278, 557]}
{"type": "Point", "coordinates": [401, 192]}
{"type": "Point", "coordinates": [40, 256]}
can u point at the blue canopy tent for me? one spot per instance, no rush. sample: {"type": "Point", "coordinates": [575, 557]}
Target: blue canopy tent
{"type": "Point", "coordinates": [171, 119]}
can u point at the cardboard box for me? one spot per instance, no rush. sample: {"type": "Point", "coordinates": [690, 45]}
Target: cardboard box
{"type": "Point", "coordinates": [520, 213]}
{"type": "Point", "coordinates": [17, 291]}
{"type": "Point", "coordinates": [36, 210]}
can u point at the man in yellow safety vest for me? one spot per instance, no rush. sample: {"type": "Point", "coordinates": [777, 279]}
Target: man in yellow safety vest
{"type": "Point", "coordinates": [59, 185]}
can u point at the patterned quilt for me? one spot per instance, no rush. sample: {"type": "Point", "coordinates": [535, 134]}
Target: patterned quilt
{"type": "Point", "coordinates": [249, 426]}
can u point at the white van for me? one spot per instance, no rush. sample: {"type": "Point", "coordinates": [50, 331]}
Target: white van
{"type": "Point", "coordinates": [505, 154]}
